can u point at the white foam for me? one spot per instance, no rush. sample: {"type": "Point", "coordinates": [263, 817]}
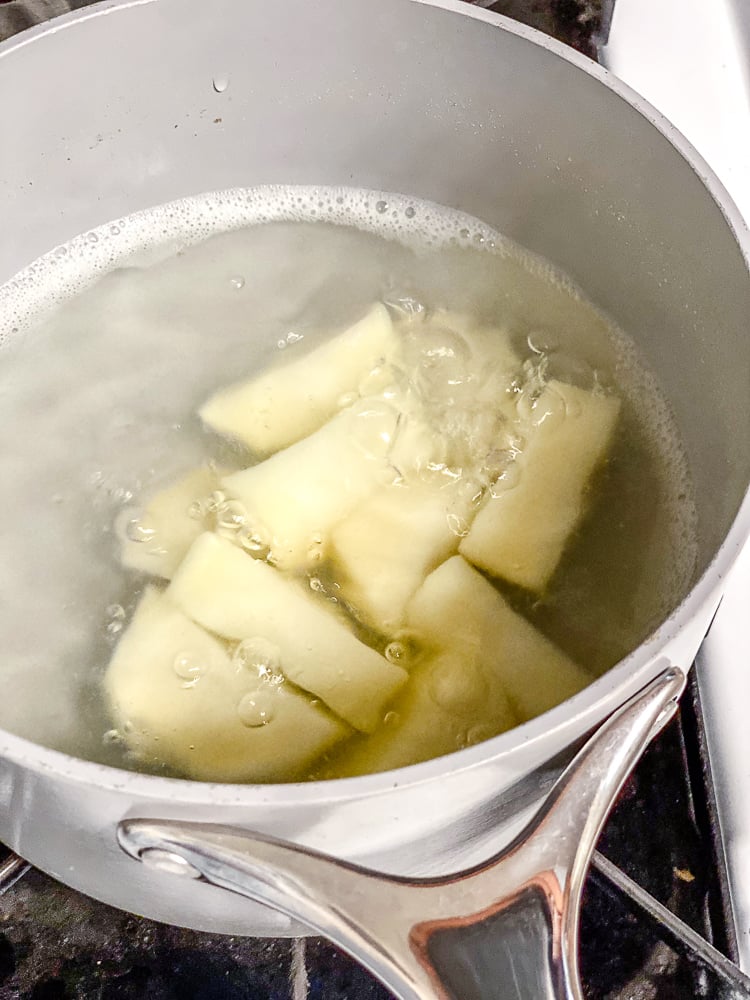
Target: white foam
{"type": "Point", "coordinates": [158, 232]}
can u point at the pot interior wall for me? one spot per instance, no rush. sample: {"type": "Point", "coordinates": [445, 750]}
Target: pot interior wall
{"type": "Point", "coordinates": [126, 109]}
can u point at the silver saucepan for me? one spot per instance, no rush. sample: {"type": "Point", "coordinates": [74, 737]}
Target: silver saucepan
{"type": "Point", "coordinates": [124, 105]}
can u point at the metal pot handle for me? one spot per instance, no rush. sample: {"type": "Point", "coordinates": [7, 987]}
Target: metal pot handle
{"type": "Point", "coordinates": [504, 930]}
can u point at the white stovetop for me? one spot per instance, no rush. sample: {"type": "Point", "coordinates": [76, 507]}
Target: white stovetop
{"type": "Point", "coordinates": [691, 60]}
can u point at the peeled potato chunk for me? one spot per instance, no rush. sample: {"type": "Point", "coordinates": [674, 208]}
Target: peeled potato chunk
{"type": "Point", "coordinates": [178, 698]}
{"type": "Point", "coordinates": [169, 528]}
{"type": "Point", "coordinates": [450, 702]}
{"type": "Point", "coordinates": [289, 402]}
{"type": "Point", "coordinates": [230, 593]}
{"type": "Point", "coordinates": [520, 532]}
{"type": "Point", "coordinates": [483, 669]}
{"type": "Point", "coordinates": [294, 498]}
{"type": "Point", "coordinates": [384, 549]}
{"type": "Point", "coordinates": [462, 611]}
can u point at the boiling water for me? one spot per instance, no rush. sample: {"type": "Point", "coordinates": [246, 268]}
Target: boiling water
{"type": "Point", "coordinates": [109, 345]}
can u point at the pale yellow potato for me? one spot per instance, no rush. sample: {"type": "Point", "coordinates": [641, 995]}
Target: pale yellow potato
{"type": "Point", "coordinates": [459, 610]}
{"type": "Point", "coordinates": [238, 597]}
{"type": "Point", "coordinates": [520, 533]}
{"type": "Point", "coordinates": [384, 549]}
{"type": "Point", "coordinates": [450, 702]}
{"type": "Point", "coordinates": [194, 726]}
{"type": "Point", "coordinates": [174, 530]}
{"type": "Point", "coordinates": [292, 400]}
{"type": "Point", "coordinates": [293, 499]}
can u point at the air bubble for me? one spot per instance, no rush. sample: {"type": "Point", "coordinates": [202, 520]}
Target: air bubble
{"type": "Point", "coordinates": [220, 82]}
{"type": "Point", "coordinates": [120, 495]}
{"type": "Point", "coordinates": [252, 540]}
{"type": "Point", "coordinates": [508, 480]}
{"type": "Point", "coordinates": [231, 516]}
{"type": "Point", "coordinates": [139, 528]}
{"type": "Point", "coordinates": [550, 408]}
{"type": "Point", "coordinates": [410, 212]}
{"type": "Point", "coordinates": [395, 652]}
{"type": "Point", "coordinates": [499, 460]}
{"type": "Point", "coordinates": [113, 737]}
{"type": "Point", "coordinates": [115, 619]}
{"type": "Point", "coordinates": [261, 656]}
{"type": "Point", "coordinates": [316, 548]}
{"type": "Point", "coordinates": [256, 709]}
{"type": "Point", "coordinates": [391, 719]}
{"type": "Point", "coordinates": [196, 511]}
{"type": "Point", "coordinates": [189, 668]}
{"type": "Point", "coordinates": [217, 501]}
{"type": "Point", "coordinates": [403, 650]}
{"type": "Point", "coordinates": [381, 206]}
{"type": "Point", "coordinates": [237, 282]}
{"type": "Point", "coordinates": [458, 525]}
{"type": "Point", "coordinates": [407, 307]}
{"type": "Point", "coordinates": [373, 426]}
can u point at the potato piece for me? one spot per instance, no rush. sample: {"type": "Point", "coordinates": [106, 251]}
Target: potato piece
{"type": "Point", "coordinates": [289, 402]}
{"type": "Point", "coordinates": [462, 611]}
{"type": "Point", "coordinates": [174, 531]}
{"type": "Point", "coordinates": [177, 697]}
{"type": "Point", "coordinates": [385, 548]}
{"type": "Point", "coordinates": [520, 533]}
{"type": "Point", "coordinates": [295, 497]}
{"type": "Point", "coordinates": [450, 701]}
{"type": "Point", "coordinates": [230, 593]}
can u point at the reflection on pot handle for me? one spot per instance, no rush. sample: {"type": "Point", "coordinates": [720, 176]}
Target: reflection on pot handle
{"type": "Point", "coordinates": [504, 930]}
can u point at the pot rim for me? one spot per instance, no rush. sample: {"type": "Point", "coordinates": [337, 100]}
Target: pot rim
{"type": "Point", "coordinates": [630, 673]}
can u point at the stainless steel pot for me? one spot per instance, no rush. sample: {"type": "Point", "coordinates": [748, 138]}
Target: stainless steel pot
{"type": "Point", "coordinates": [446, 103]}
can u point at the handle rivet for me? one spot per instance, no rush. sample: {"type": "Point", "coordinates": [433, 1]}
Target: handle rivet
{"type": "Point", "coordinates": [169, 862]}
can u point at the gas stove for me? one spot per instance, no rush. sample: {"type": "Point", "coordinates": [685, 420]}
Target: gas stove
{"type": "Point", "coordinates": [665, 915]}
